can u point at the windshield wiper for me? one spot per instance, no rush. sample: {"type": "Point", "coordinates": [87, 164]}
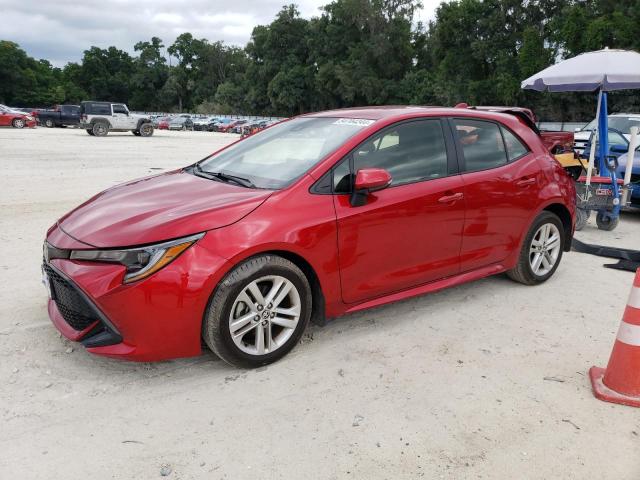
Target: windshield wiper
{"type": "Point", "coordinates": [225, 177]}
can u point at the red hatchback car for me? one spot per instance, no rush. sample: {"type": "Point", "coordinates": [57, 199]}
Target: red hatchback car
{"type": "Point", "coordinates": [315, 217]}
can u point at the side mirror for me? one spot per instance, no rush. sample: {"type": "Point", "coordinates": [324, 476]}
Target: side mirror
{"type": "Point", "coordinates": [368, 180]}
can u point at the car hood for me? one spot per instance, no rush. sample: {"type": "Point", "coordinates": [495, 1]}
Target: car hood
{"type": "Point", "coordinates": [158, 208]}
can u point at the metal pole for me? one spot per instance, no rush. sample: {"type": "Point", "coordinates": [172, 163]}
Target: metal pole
{"type": "Point", "coordinates": [633, 143]}
{"type": "Point", "coordinates": [603, 136]}
{"type": "Point", "coordinates": [594, 140]}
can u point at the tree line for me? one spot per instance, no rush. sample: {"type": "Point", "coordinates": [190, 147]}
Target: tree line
{"type": "Point", "coordinates": [355, 52]}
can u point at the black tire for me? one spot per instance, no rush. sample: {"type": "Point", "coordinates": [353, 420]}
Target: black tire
{"type": "Point", "coordinates": [100, 129]}
{"type": "Point", "coordinates": [90, 131]}
{"type": "Point", "coordinates": [582, 216]}
{"type": "Point", "coordinates": [49, 123]}
{"type": "Point", "coordinates": [136, 132]}
{"type": "Point", "coordinates": [146, 130]}
{"type": "Point", "coordinates": [523, 272]}
{"type": "Point", "coordinates": [215, 327]}
{"type": "Point", "coordinates": [606, 223]}
{"type": "Point", "coordinates": [18, 123]}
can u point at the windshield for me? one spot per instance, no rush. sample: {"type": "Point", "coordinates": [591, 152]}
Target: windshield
{"type": "Point", "coordinates": [622, 124]}
{"type": "Point", "coordinates": [277, 156]}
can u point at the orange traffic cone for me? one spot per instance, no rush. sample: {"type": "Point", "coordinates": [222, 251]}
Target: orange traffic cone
{"type": "Point", "coordinates": [620, 383]}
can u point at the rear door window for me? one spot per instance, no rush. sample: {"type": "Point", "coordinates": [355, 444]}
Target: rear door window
{"type": "Point", "coordinates": [481, 143]}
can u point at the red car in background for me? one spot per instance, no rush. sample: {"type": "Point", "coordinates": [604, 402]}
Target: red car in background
{"type": "Point", "coordinates": [16, 119]}
{"type": "Point", "coordinates": [317, 216]}
{"type": "Point", "coordinates": [163, 123]}
{"type": "Point", "coordinates": [228, 127]}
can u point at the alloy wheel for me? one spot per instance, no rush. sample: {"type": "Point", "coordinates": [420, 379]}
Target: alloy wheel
{"type": "Point", "coordinates": [544, 249]}
{"type": "Point", "coordinates": [265, 315]}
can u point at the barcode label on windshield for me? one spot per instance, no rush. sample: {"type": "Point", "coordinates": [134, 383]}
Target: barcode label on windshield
{"type": "Point", "coordinates": [354, 122]}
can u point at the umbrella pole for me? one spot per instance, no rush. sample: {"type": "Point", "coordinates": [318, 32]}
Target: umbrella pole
{"type": "Point", "coordinates": [594, 140]}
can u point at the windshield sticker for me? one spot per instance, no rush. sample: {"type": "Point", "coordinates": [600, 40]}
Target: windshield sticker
{"type": "Point", "coordinates": [354, 122]}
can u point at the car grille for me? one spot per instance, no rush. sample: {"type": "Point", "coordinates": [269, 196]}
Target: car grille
{"type": "Point", "coordinates": [73, 308]}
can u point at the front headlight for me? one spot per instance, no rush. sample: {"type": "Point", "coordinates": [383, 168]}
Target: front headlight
{"type": "Point", "coordinates": [29, 117]}
{"type": "Point", "coordinates": [140, 262]}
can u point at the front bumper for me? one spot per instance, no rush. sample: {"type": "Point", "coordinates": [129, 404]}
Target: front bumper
{"type": "Point", "coordinates": [157, 318]}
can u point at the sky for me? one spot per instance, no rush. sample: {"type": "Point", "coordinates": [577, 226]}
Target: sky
{"type": "Point", "coordinates": [60, 30]}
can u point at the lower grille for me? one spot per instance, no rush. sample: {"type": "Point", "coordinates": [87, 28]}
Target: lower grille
{"type": "Point", "coordinates": [73, 308]}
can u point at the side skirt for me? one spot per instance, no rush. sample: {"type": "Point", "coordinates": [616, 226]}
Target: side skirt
{"type": "Point", "coordinates": [430, 287]}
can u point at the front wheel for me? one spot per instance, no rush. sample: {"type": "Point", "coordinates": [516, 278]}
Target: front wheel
{"type": "Point", "coordinates": [258, 312]}
{"type": "Point", "coordinates": [541, 250]}
{"type": "Point", "coordinates": [18, 123]}
{"type": "Point", "coordinates": [605, 222]}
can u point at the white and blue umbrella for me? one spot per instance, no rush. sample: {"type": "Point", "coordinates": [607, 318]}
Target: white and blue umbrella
{"type": "Point", "coordinates": [605, 70]}
{"type": "Point", "coordinates": [601, 71]}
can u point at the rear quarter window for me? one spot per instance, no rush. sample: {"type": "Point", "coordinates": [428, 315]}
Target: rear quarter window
{"type": "Point", "coordinates": [98, 109]}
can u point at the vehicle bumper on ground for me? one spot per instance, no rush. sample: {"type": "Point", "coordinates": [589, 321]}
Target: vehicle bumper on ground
{"type": "Point", "coordinates": [157, 318]}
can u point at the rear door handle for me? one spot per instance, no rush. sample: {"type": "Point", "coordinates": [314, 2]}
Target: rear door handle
{"type": "Point", "coordinates": [526, 182]}
{"type": "Point", "coordinates": [451, 198]}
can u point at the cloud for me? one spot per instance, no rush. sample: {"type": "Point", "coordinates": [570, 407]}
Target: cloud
{"type": "Point", "coordinates": [61, 30]}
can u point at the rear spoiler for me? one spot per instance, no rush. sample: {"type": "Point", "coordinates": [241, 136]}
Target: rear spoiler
{"type": "Point", "coordinates": [524, 114]}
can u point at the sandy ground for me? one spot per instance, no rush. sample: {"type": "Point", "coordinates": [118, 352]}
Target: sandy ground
{"type": "Point", "coordinates": [450, 385]}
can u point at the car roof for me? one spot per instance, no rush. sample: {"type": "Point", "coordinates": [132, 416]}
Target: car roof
{"type": "Point", "coordinates": [401, 111]}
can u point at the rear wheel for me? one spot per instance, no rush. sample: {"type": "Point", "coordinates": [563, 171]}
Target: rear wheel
{"type": "Point", "coordinates": [258, 312]}
{"type": "Point", "coordinates": [605, 222]}
{"type": "Point", "coordinates": [49, 123]}
{"type": "Point", "coordinates": [100, 129]}
{"type": "Point", "coordinates": [146, 130]}
{"type": "Point", "coordinates": [541, 250]}
{"type": "Point", "coordinates": [18, 123]}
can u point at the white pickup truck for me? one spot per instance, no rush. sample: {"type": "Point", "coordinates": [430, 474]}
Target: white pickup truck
{"type": "Point", "coordinates": [99, 118]}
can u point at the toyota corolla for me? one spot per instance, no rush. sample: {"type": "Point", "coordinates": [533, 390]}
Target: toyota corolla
{"type": "Point", "coordinates": [318, 216]}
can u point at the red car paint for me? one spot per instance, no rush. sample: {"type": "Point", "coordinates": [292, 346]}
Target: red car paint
{"type": "Point", "coordinates": [406, 240]}
{"type": "Point", "coordinates": [7, 118]}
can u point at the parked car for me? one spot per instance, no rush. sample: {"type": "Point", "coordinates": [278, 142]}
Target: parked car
{"type": "Point", "coordinates": [13, 118]}
{"type": "Point", "coordinates": [61, 116]}
{"type": "Point", "coordinates": [618, 121]}
{"type": "Point", "coordinates": [202, 124]}
{"type": "Point", "coordinates": [228, 127]}
{"type": "Point", "coordinates": [318, 216]}
{"type": "Point", "coordinates": [223, 122]}
{"type": "Point", "coordinates": [99, 118]}
{"type": "Point", "coordinates": [163, 123]}
{"type": "Point", "coordinates": [635, 176]}
{"type": "Point", "coordinates": [237, 128]}
{"type": "Point", "coordinates": [180, 123]}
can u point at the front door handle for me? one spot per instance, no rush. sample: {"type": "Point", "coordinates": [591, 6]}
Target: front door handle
{"type": "Point", "coordinates": [451, 198]}
{"type": "Point", "coordinates": [526, 182]}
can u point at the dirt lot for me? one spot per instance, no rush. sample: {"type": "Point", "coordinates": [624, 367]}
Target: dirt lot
{"type": "Point", "coordinates": [486, 380]}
